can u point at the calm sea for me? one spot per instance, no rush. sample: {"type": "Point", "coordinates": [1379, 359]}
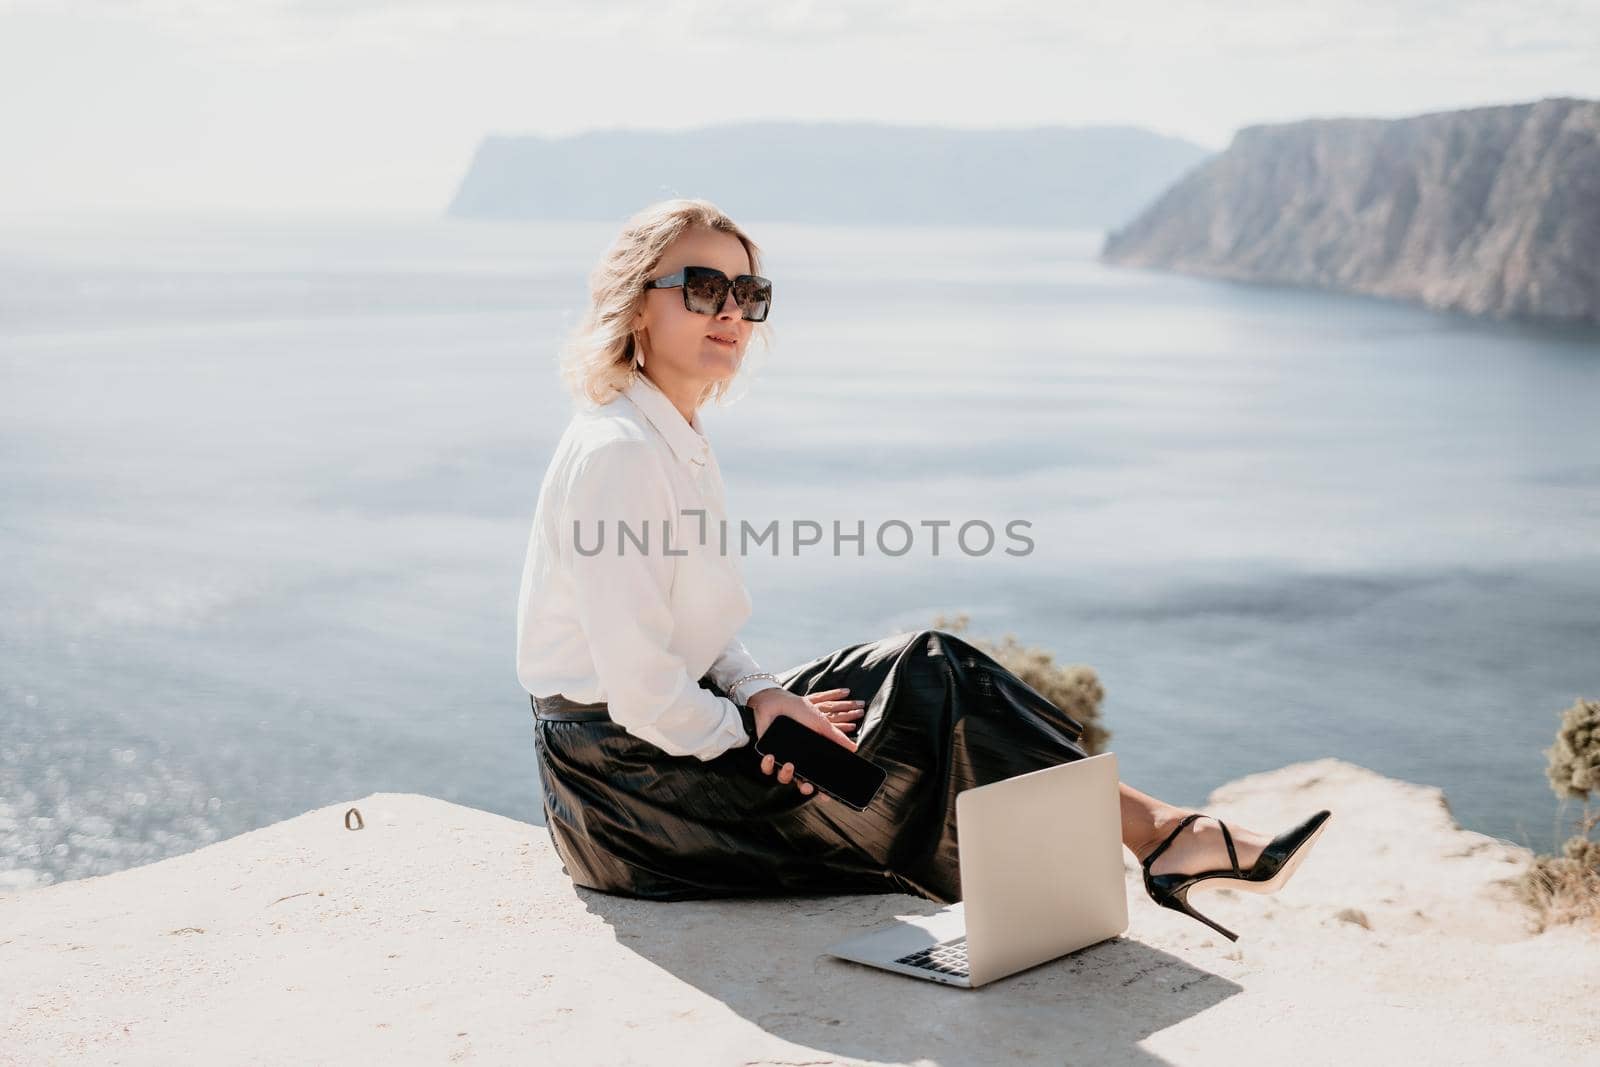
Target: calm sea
{"type": "Point", "coordinates": [267, 484]}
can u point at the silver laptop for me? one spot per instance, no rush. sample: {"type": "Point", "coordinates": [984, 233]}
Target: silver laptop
{"type": "Point", "coordinates": [1041, 876]}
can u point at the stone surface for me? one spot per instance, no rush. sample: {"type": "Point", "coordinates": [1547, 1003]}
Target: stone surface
{"type": "Point", "coordinates": [439, 933]}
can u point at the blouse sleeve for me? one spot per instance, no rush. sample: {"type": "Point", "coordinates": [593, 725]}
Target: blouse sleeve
{"type": "Point", "coordinates": [736, 662]}
{"type": "Point", "coordinates": [624, 606]}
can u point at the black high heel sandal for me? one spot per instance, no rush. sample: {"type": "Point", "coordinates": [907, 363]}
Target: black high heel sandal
{"type": "Point", "coordinates": [1270, 871]}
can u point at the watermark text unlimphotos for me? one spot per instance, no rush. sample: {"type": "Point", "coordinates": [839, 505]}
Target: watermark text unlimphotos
{"type": "Point", "coordinates": [891, 537]}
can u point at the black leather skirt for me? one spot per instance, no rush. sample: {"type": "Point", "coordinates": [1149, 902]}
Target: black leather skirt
{"type": "Point", "coordinates": [941, 716]}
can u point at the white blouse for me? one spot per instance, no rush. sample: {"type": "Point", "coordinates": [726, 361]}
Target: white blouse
{"type": "Point", "coordinates": [640, 621]}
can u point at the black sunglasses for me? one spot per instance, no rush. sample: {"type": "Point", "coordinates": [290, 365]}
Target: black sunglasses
{"type": "Point", "coordinates": [705, 290]}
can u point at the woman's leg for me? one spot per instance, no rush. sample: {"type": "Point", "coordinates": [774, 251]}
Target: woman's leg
{"type": "Point", "coordinates": [924, 682]}
{"type": "Point", "coordinates": [1147, 820]}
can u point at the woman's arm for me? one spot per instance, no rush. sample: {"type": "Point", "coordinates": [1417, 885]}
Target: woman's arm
{"type": "Point", "coordinates": [624, 604]}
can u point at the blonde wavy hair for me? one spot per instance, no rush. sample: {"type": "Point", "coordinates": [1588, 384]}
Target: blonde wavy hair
{"type": "Point", "coordinates": [597, 358]}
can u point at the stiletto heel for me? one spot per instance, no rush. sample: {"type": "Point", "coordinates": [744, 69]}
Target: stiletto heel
{"type": "Point", "coordinates": [1277, 862]}
{"type": "Point", "coordinates": [1180, 902]}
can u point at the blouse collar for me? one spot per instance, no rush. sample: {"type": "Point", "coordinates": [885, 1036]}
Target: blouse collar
{"type": "Point", "coordinates": [686, 438]}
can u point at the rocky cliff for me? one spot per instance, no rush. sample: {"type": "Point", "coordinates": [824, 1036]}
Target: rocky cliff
{"type": "Point", "coordinates": [1492, 210]}
{"type": "Point", "coordinates": [434, 933]}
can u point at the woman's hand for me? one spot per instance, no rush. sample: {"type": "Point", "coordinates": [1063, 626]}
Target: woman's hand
{"type": "Point", "coordinates": [828, 713]}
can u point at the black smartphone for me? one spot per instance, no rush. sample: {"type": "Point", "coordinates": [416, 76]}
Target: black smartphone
{"type": "Point", "coordinates": [828, 765]}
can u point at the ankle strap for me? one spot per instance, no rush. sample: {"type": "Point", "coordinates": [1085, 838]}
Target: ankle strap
{"type": "Point", "coordinates": [1233, 857]}
{"type": "Point", "coordinates": [1187, 819]}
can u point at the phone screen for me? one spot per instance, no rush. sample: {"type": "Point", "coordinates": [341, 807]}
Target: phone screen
{"type": "Point", "coordinates": [828, 765]}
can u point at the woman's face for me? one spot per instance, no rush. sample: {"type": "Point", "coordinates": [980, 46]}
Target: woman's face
{"type": "Point", "coordinates": [678, 343]}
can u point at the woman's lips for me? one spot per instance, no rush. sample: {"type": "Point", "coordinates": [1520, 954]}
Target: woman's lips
{"type": "Point", "coordinates": [721, 341]}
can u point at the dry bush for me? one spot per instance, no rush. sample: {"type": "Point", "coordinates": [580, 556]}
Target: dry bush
{"type": "Point", "coordinates": [1566, 888]}
{"type": "Point", "coordinates": [1074, 689]}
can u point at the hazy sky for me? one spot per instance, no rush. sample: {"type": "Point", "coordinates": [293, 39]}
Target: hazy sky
{"type": "Point", "coordinates": [376, 105]}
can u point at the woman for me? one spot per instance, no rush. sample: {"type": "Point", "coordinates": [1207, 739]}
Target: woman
{"type": "Point", "coordinates": [645, 700]}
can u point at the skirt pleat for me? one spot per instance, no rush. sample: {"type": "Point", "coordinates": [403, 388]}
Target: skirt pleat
{"type": "Point", "coordinates": [941, 716]}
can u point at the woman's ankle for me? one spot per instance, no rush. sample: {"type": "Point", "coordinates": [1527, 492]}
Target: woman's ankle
{"type": "Point", "coordinates": [1163, 821]}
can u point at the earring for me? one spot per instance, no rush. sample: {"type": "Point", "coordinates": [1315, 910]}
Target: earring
{"type": "Point", "coordinates": [638, 353]}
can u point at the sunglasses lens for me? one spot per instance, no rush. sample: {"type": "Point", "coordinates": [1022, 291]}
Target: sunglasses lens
{"type": "Point", "coordinates": [704, 291]}
{"type": "Point", "coordinates": [753, 297]}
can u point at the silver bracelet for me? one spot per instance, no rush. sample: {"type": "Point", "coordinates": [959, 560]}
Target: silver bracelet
{"type": "Point", "coordinates": [734, 688]}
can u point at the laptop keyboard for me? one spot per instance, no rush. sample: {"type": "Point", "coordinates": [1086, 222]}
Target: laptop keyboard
{"type": "Point", "coordinates": [947, 957]}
